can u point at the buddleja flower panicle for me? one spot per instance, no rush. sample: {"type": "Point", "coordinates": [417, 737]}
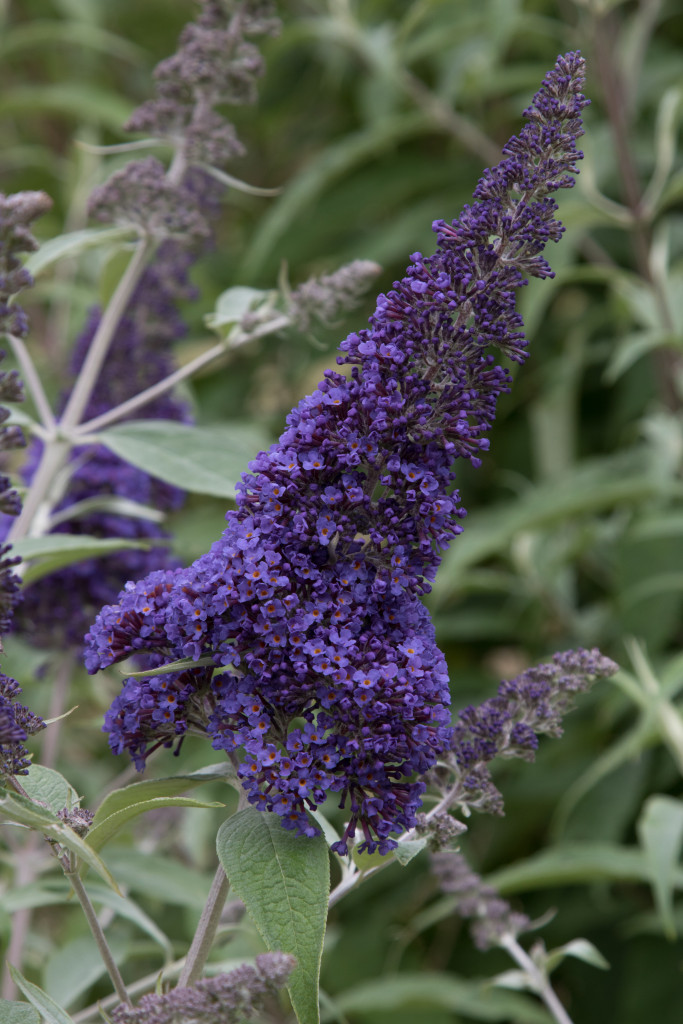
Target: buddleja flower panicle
{"type": "Point", "coordinates": [311, 598]}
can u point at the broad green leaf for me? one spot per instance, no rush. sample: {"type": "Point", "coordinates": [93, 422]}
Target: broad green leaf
{"type": "Point", "coordinates": [284, 881]}
{"type": "Point", "coordinates": [107, 828]}
{"type": "Point", "coordinates": [150, 789]}
{"type": "Point", "coordinates": [18, 1013]}
{"type": "Point", "coordinates": [204, 460]}
{"type": "Point", "coordinates": [419, 992]}
{"type": "Point", "coordinates": [48, 786]}
{"type": "Point", "coordinates": [73, 244]}
{"type": "Point", "coordinates": [55, 550]}
{"type": "Point", "coordinates": [48, 1009]}
{"type": "Point", "coordinates": [576, 864]}
{"type": "Point", "coordinates": [660, 831]}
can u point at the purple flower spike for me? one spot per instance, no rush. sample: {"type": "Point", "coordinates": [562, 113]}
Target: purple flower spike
{"type": "Point", "coordinates": [311, 598]}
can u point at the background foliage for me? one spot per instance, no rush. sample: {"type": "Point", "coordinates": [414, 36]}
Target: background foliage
{"type": "Point", "coordinates": [374, 119]}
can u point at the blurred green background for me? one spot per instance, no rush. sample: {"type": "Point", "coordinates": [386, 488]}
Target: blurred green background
{"type": "Point", "coordinates": [375, 118]}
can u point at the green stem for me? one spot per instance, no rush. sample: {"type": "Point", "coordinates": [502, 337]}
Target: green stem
{"type": "Point", "coordinates": [182, 373]}
{"type": "Point", "coordinates": [97, 352]}
{"type": "Point", "coordinates": [206, 931]}
{"type": "Point", "coordinates": [539, 980]}
{"type": "Point", "coordinates": [98, 935]}
{"type": "Point", "coordinates": [35, 385]}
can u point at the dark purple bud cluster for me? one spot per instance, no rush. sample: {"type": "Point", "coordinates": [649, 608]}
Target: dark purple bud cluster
{"type": "Point", "coordinates": [17, 723]}
{"type": "Point", "coordinates": [492, 916]}
{"type": "Point", "coordinates": [215, 64]}
{"type": "Point", "coordinates": [11, 436]}
{"type": "Point", "coordinates": [16, 214]}
{"type": "Point", "coordinates": [223, 999]}
{"type": "Point", "coordinates": [509, 724]}
{"type": "Point", "coordinates": [311, 598]}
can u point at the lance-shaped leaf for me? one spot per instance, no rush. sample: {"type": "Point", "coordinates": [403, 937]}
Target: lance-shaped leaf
{"type": "Point", "coordinates": [17, 808]}
{"type": "Point", "coordinates": [205, 460]}
{"type": "Point", "coordinates": [284, 881]}
{"type": "Point", "coordinates": [660, 830]}
{"type": "Point", "coordinates": [100, 834]}
{"type": "Point", "coordinates": [48, 1009]}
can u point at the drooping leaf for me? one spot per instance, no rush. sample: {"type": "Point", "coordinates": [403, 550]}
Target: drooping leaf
{"type": "Point", "coordinates": [107, 828]}
{"type": "Point", "coordinates": [49, 1010]}
{"type": "Point", "coordinates": [576, 864]}
{"type": "Point", "coordinates": [660, 831]}
{"type": "Point", "coordinates": [150, 789]}
{"type": "Point", "coordinates": [54, 891]}
{"type": "Point", "coordinates": [56, 550]}
{"type": "Point", "coordinates": [73, 967]}
{"type": "Point", "coordinates": [204, 460]}
{"type": "Point", "coordinates": [18, 808]}
{"type": "Point", "coordinates": [477, 1000]}
{"type": "Point", "coordinates": [157, 877]}
{"type": "Point", "coordinates": [284, 881]}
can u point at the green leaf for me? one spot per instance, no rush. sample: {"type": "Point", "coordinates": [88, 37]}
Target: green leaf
{"type": "Point", "coordinates": [17, 1013]}
{"type": "Point", "coordinates": [409, 848]}
{"type": "Point", "coordinates": [68, 99]}
{"type": "Point", "coordinates": [48, 1009]}
{"type": "Point", "coordinates": [73, 244]}
{"type": "Point", "coordinates": [25, 812]}
{"type": "Point", "coordinates": [284, 881]}
{"type": "Point", "coordinates": [48, 786]}
{"type": "Point", "coordinates": [48, 32]}
{"type": "Point", "coordinates": [419, 992]}
{"type": "Point", "coordinates": [320, 174]}
{"type": "Point", "coordinates": [150, 789]}
{"type": "Point", "coordinates": [580, 949]}
{"type": "Point", "coordinates": [171, 666]}
{"type": "Point", "coordinates": [53, 891]}
{"type": "Point", "coordinates": [17, 808]}
{"type": "Point", "coordinates": [108, 827]}
{"type": "Point", "coordinates": [576, 864]}
{"type": "Point", "coordinates": [158, 877]}
{"type": "Point", "coordinates": [660, 831]}
{"type": "Point", "coordinates": [232, 305]}
{"type": "Point", "coordinates": [55, 550]}
{"type": "Point", "coordinates": [204, 460]}
{"type": "Point", "coordinates": [596, 485]}
{"type": "Point", "coordinates": [77, 964]}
